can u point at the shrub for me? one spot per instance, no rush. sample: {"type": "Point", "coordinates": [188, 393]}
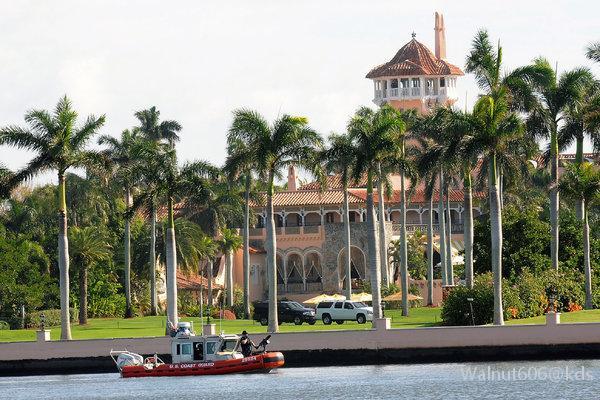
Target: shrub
{"type": "Point", "coordinates": [188, 304]}
{"type": "Point", "coordinates": [456, 310]}
{"type": "Point", "coordinates": [224, 314]}
{"type": "Point", "coordinates": [51, 318]}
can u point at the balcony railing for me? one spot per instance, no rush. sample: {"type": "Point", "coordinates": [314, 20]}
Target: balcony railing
{"type": "Point", "coordinates": [288, 230]}
{"type": "Point", "coordinates": [398, 93]}
{"type": "Point", "coordinates": [410, 228]}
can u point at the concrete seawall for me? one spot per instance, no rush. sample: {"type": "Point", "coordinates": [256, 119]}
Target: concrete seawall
{"type": "Point", "coordinates": [375, 346]}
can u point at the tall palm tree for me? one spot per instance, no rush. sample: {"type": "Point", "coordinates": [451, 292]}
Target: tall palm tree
{"type": "Point", "coordinates": [125, 155]}
{"type": "Point", "coordinates": [151, 128]}
{"type": "Point", "coordinates": [229, 242]}
{"type": "Point", "coordinates": [581, 119]}
{"type": "Point", "coordinates": [272, 147]}
{"type": "Point", "coordinates": [88, 246]}
{"type": "Point", "coordinates": [172, 184]}
{"type": "Point", "coordinates": [494, 124]}
{"type": "Point", "coordinates": [593, 51]}
{"type": "Point", "coordinates": [239, 163]}
{"type": "Point", "coordinates": [556, 95]}
{"type": "Point", "coordinates": [339, 158]}
{"type": "Point", "coordinates": [582, 183]}
{"type": "Point", "coordinates": [375, 134]}
{"type": "Point", "coordinates": [60, 144]}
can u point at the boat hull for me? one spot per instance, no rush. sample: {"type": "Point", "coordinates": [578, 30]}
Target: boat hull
{"type": "Point", "coordinates": [257, 363]}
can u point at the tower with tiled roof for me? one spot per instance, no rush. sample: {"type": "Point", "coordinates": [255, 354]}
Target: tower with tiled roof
{"type": "Point", "coordinates": [416, 78]}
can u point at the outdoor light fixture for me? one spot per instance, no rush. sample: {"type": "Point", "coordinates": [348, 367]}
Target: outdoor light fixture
{"type": "Point", "coordinates": [470, 300]}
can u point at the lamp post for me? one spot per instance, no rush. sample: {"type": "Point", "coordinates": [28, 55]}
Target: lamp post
{"type": "Point", "coordinates": [470, 300]}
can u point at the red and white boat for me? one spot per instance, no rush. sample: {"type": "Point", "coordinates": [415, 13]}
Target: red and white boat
{"type": "Point", "coordinates": [198, 355]}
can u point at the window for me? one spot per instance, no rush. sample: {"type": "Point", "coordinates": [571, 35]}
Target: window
{"type": "Point", "coordinates": [404, 82]}
{"type": "Point", "coordinates": [348, 306]}
{"type": "Point", "coordinates": [186, 348]}
{"type": "Point", "coordinates": [416, 82]}
{"type": "Point", "coordinates": [325, 304]}
{"type": "Point", "coordinates": [178, 352]}
{"type": "Point", "coordinates": [228, 345]}
{"type": "Point", "coordinates": [394, 83]}
{"type": "Point", "coordinates": [442, 82]}
{"type": "Point", "coordinates": [339, 304]}
{"type": "Point", "coordinates": [210, 347]}
{"type": "Point", "coordinates": [198, 350]}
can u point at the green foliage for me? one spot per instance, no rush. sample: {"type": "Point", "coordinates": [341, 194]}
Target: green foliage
{"type": "Point", "coordinates": [23, 278]}
{"type": "Point", "coordinates": [188, 303]}
{"type": "Point", "coordinates": [51, 318]}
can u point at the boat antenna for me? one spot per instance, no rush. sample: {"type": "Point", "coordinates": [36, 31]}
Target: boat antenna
{"type": "Point", "coordinates": [201, 300]}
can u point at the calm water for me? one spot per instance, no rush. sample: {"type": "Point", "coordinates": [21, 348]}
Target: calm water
{"type": "Point", "coordinates": [512, 380]}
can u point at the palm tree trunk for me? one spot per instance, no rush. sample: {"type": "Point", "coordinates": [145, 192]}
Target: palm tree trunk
{"type": "Point", "coordinates": [128, 201]}
{"type": "Point", "coordinates": [83, 279]}
{"type": "Point", "coordinates": [348, 266]}
{"type": "Point", "coordinates": [579, 207]}
{"type": "Point", "coordinates": [229, 277]}
{"type": "Point", "coordinates": [383, 258]}
{"type": "Point", "coordinates": [374, 265]}
{"type": "Point", "coordinates": [468, 228]}
{"type": "Point", "coordinates": [271, 260]}
{"type": "Point", "coordinates": [430, 253]}
{"type": "Point", "coordinates": [586, 261]}
{"type": "Point", "coordinates": [496, 235]}
{"type": "Point", "coordinates": [171, 268]}
{"type": "Point", "coordinates": [554, 201]}
{"type": "Point", "coordinates": [63, 260]}
{"type": "Point", "coordinates": [209, 289]}
{"type": "Point", "coordinates": [153, 296]}
{"type": "Point", "coordinates": [442, 229]}
{"type": "Point", "coordinates": [450, 273]}
{"type": "Point", "coordinates": [246, 256]}
{"type": "Point", "coordinates": [403, 252]}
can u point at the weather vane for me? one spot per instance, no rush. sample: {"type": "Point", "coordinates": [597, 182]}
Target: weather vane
{"type": "Point", "coordinates": [413, 34]}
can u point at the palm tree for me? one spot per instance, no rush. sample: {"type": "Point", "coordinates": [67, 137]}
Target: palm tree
{"type": "Point", "coordinates": [88, 247]}
{"type": "Point", "coordinates": [125, 155]}
{"type": "Point", "coordinates": [582, 183]}
{"type": "Point", "coordinates": [151, 128]}
{"type": "Point", "coordinates": [581, 119]}
{"type": "Point", "coordinates": [59, 144]}
{"type": "Point", "coordinates": [555, 97]}
{"type": "Point", "coordinates": [375, 134]}
{"type": "Point", "coordinates": [229, 242]}
{"type": "Point", "coordinates": [339, 158]}
{"type": "Point", "coordinates": [272, 147]}
{"type": "Point", "coordinates": [593, 52]}
{"type": "Point", "coordinates": [494, 125]}
{"type": "Point", "coordinates": [239, 163]}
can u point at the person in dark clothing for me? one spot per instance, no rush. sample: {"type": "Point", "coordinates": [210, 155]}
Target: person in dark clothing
{"type": "Point", "coordinates": [246, 344]}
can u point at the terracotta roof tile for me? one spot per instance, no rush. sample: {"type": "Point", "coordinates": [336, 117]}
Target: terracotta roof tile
{"type": "Point", "coordinates": [414, 58]}
{"type": "Point", "coordinates": [310, 197]}
{"type": "Point", "coordinates": [418, 196]}
{"type": "Point", "coordinates": [333, 182]}
{"type": "Point", "coordinates": [193, 282]}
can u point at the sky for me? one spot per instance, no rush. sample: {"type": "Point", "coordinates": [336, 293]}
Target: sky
{"type": "Point", "coordinates": [198, 61]}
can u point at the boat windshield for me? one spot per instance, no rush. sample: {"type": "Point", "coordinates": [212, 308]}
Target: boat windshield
{"type": "Point", "coordinates": [228, 345]}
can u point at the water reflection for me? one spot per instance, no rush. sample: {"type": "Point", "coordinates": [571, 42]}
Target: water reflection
{"type": "Point", "coordinates": [578, 379]}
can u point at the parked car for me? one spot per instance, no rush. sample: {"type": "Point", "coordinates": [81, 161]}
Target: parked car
{"type": "Point", "coordinates": [287, 311]}
{"type": "Point", "coordinates": [340, 311]}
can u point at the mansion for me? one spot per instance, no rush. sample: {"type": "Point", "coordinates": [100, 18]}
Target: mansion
{"type": "Point", "coordinates": [308, 220]}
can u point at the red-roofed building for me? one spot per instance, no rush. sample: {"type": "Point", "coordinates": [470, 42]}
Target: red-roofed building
{"type": "Point", "coordinates": [416, 78]}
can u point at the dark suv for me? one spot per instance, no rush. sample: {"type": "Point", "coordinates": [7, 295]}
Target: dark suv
{"type": "Point", "coordinates": [287, 311]}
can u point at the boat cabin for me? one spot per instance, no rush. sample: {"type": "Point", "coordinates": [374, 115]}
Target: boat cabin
{"type": "Point", "coordinates": [190, 348]}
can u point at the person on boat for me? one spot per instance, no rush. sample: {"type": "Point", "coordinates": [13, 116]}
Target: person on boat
{"type": "Point", "coordinates": [246, 344]}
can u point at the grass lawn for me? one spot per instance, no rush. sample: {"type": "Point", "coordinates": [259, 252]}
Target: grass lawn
{"type": "Point", "coordinates": [155, 326]}
{"type": "Point", "coordinates": [570, 317]}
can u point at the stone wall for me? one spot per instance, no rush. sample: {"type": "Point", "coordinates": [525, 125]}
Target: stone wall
{"type": "Point", "coordinates": [333, 245]}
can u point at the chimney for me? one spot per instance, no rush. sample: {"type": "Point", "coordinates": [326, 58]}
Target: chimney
{"type": "Point", "coordinates": [440, 36]}
{"type": "Point", "coordinates": [292, 182]}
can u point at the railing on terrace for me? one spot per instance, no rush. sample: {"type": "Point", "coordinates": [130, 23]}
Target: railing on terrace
{"type": "Point", "coordinates": [288, 230]}
{"type": "Point", "coordinates": [410, 228]}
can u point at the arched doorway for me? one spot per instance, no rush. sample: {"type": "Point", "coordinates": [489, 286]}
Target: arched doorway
{"type": "Point", "coordinates": [357, 267]}
{"type": "Point", "coordinates": [294, 271]}
{"type": "Point", "coordinates": [313, 270]}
